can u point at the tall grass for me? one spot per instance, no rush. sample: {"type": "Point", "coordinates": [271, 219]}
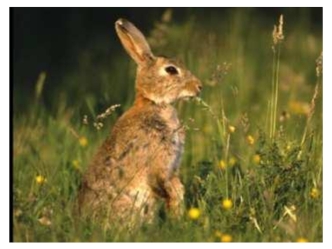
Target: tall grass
{"type": "Point", "coordinates": [244, 180]}
{"type": "Point", "coordinates": [278, 37]}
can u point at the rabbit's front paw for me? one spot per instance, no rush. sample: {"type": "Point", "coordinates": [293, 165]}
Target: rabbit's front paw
{"type": "Point", "coordinates": [175, 191]}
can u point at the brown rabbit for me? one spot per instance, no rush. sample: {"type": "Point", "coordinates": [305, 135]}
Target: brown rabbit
{"type": "Point", "coordinates": [138, 164]}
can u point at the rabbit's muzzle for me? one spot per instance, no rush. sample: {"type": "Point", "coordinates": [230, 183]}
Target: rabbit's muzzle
{"type": "Point", "coordinates": [193, 88]}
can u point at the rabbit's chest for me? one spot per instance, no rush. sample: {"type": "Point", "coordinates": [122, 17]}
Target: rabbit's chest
{"type": "Point", "coordinates": [172, 129]}
{"type": "Point", "coordinates": [170, 133]}
{"type": "Point", "coordinates": [174, 136]}
{"type": "Point", "coordinates": [165, 136]}
{"type": "Point", "coordinates": [177, 148]}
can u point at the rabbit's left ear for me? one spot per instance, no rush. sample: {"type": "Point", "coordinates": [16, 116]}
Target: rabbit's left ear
{"type": "Point", "coordinates": [134, 42]}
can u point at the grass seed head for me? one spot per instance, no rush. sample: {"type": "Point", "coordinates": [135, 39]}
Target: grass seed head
{"type": "Point", "coordinates": [319, 65]}
{"type": "Point", "coordinates": [85, 120]}
{"type": "Point", "coordinates": [278, 32]}
{"type": "Point", "coordinates": [45, 221]}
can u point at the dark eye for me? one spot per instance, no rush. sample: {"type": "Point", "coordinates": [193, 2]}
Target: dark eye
{"type": "Point", "coordinates": [171, 70]}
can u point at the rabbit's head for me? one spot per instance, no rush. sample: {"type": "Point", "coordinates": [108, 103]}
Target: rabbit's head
{"type": "Point", "coordinates": [159, 79]}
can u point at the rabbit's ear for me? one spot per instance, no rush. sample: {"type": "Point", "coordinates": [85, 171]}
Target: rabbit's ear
{"type": "Point", "coordinates": [133, 41]}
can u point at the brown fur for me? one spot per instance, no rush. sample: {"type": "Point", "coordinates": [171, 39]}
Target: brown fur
{"type": "Point", "coordinates": [138, 164]}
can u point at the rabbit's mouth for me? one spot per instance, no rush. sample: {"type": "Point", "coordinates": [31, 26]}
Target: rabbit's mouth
{"type": "Point", "coordinates": [187, 99]}
{"type": "Point", "coordinates": [185, 95]}
{"type": "Point", "coordinates": [190, 94]}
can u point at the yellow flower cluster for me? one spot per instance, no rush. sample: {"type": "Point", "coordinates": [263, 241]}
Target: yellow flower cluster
{"type": "Point", "coordinates": [314, 193]}
{"type": "Point", "coordinates": [250, 140]}
{"type": "Point", "coordinates": [224, 237]}
{"type": "Point", "coordinates": [223, 164]}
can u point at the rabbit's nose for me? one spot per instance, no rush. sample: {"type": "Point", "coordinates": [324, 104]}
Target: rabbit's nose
{"type": "Point", "coordinates": [199, 87]}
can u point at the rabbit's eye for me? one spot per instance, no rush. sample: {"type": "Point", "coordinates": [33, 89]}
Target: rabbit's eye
{"type": "Point", "coordinates": [171, 70]}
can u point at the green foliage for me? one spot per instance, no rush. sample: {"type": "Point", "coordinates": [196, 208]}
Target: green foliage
{"type": "Point", "coordinates": [274, 182]}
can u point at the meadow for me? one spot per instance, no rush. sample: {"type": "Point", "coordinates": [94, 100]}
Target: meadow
{"type": "Point", "coordinates": [252, 166]}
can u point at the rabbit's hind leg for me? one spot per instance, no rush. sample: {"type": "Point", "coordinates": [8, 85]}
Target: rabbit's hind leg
{"type": "Point", "coordinates": [143, 203]}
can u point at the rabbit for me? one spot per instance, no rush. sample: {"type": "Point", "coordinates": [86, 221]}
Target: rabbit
{"type": "Point", "coordinates": [137, 166]}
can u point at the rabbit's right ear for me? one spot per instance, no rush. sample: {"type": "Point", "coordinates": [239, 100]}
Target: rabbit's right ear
{"type": "Point", "coordinates": [133, 41]}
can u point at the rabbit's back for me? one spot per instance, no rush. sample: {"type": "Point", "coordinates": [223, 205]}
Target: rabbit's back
{"type": "Point", "coordinates": [132, 165]}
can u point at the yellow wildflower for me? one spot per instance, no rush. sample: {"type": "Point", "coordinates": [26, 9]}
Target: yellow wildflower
{"type": "Point", "coordinates": [250, 140]}
{"type": "Point", "coordinates": [226, 238]}
{"type": "Point", "coordinates": [302, 240]}
{"type": "Point", "coordinates": [232, 161]}
{"type": "Point", "coordinates": [83, 141]}
{"type": "Point", "coordinates": [227, 204]}
{"type": "Point", "coordinates": [256, 159]}
{"type": "Point", "coordinates": [76, 164]}
{"type": "Point", "coordinates": [222, 164]}
{"type": "Point", "coordinates": [231, 128]}
{"type": "Point", "coordinates": [40, 179]}
{"type": "Point", "coordinates": [314, 193]}
{"type": "Point", "coordinates": [299, 107]}
{"type": "Point", "coordinates": [194, 213]}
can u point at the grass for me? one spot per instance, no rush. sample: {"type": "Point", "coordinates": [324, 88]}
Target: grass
{"type": "Point", "coordinates": [252, 166]}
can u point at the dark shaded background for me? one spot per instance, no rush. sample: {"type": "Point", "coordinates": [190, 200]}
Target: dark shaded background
{"type": "Point", "coordinates": [51, 39]}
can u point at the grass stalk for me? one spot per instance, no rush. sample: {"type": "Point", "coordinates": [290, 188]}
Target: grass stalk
{"type": "Point", "coordinates": [271, 106]}
{"type": "Point", "coordinates": [276, 92]}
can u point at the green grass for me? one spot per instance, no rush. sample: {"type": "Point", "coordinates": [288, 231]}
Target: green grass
{"type": "Point", "coordinates": [269, 166]}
